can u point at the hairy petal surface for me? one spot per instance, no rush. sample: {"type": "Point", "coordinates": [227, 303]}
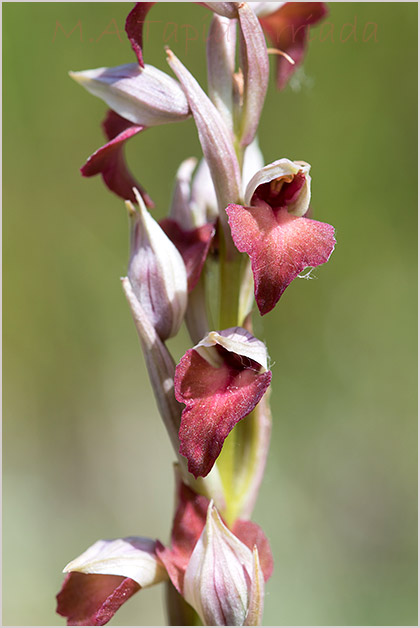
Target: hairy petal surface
{"type": "Point", "coordinates": [280, 247]}
{"type": "Point", "coordinates": [220, 384]}
{"type": "Point", "coordinates": [109, 160]}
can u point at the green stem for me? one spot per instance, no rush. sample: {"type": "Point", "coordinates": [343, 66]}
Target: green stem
{"type": "Point", "coordinates": [242, 459]}
{"type": "Point", "coordinates": [230, 461]}
{"type": "Point", "coordinates": [230, 286]}
{"type": "Point", "coordinates": [180, 613]}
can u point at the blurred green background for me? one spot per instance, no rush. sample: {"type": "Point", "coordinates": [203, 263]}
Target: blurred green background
{"type": "Point", "coordinates": [85, 455]}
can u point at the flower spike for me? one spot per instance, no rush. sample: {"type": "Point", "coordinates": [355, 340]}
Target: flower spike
{"type": "Point", "coordinates": [189, 268]}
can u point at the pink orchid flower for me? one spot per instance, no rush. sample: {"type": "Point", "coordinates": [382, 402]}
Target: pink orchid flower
{"type": "Point", "coordinates": [273, 230]}
{"type": "Point", "coordinates": [220, 381]}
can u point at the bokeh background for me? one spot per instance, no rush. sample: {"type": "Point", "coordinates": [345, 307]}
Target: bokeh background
{"type": "Point", "coordinates": [85, 455]}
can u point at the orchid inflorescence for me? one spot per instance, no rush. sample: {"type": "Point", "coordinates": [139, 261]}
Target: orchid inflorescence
{"type": "Point", "coordinates": [236, 230]}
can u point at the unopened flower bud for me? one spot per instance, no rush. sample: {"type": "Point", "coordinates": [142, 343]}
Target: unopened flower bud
{"type": "Point", "coordinates": [156, 272]}
{"type": "Point", "coordinates": [223, 581]}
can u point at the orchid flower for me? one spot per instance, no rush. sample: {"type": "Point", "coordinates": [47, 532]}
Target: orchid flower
{"type": "Point", "coordinates": [273, 230]}
{"type": "Point", "coordinates": [220, 380]}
